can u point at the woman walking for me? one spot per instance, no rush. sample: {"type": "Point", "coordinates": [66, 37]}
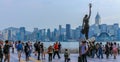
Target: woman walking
{"type": "Point", "coordinates": [50, 53]}
{"type": "Point", "coordinates": [115, 50]}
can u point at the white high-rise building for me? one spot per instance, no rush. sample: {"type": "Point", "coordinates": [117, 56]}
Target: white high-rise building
{"type": "Point", "coordinates": [97, 19]}
{"type": "Point", "coordinates": [96, 26]}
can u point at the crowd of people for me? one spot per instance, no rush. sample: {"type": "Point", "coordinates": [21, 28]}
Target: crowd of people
{"type": "Point", "coordinates": [38, 48]}
{"type": "Point", "coordinates": [93, 49]}
{"type": "Point", "coordinates": [86, 49]}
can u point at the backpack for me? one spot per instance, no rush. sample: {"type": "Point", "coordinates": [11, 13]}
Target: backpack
{"type": "Point", "coordinates": [27, 49]}
{"type": "Point", "coordinates": [38, 47]}
{"type": "Point", "coordinates": [49, 50]}
{"type": "Point", "coordinates": [6, 49]}
{"type": "Point", "coordinates": [66, 54]}
{"type": "Point", "coordinates": [19, 47]}
{"type": "Point", "coordinates": [35, 45]}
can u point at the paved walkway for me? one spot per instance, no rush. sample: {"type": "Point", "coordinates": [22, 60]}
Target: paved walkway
{"type": "Point", "coordinates": [14, 58]}
{"type": "Point", "coordinates": [74, 58]}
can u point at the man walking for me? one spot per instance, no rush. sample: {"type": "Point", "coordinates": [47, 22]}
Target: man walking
{"type": "Point", "coordinates": [6, 51]}
{"type": "Point", "coordinates": [56, 50]}
{"type": "Point", "coordinates": [19, 49]}
{"type": "Point", "coordinates": [38, 50]}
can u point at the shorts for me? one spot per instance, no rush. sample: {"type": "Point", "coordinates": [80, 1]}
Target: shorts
{"type": "Point", "coordinates": [7, 56]}
{"type": "Point", "coordinates": [19, 52]}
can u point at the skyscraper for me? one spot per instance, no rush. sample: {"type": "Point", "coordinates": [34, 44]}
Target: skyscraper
{"type": "Point", "coordinates": [54, 36]}
{"type": "Point", "coordinates": [35, 34]}
{"type": "Point", "coordinates": [116, 27]}
{"type": "Point", "coordinates": [22, 33]}
{"type": "Point", "coordinates": [48, 34]}
{"type": "Point", "coordinates": [60, 33]}
{"type": "Point", "coordinates": [119, 34]}
{"type": "Point", "coordinates": [60, 28]}
{"type": "Point", "coordinates": [43, 34]}
{"type": "Point", "coordinates": [68, 31]}
{"type": "Point", "coordinates": [35, 29]}
{"type": "Point", "coordinates": [9, 35]}
{"type": "Point", "coordinates": [97, 19]}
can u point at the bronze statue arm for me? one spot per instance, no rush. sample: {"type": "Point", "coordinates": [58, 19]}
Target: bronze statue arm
{"type": "Point", "coordinates": [90, 5]}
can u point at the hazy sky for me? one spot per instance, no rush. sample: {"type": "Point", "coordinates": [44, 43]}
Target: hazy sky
{"type": "Point", "coordinates": [51, 13]}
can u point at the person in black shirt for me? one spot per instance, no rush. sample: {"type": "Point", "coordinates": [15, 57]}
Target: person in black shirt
{"type": "Point", "coordinates": [35, 46]}
{"type": "Point", "coordinates": [27, 51]}
{"type": "Point", "coordinates": [6, 51]}
{"type": "Point", "coordinates": [38, 50]}
{"type": "Point", "coordinates": [107, 50]}
{"type": "Point", "coordinates": [59, 46]}
{"type": "Point", "coordinates": [1, 53]}
{"type": "Point", "coordinates": [42, 51]}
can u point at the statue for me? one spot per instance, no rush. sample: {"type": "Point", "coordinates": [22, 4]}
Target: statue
{"type": "Point", "coordinates": [85, 25]}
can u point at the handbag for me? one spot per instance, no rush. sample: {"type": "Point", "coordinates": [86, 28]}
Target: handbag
{"type": "Point", "coordinates": [79, 59]}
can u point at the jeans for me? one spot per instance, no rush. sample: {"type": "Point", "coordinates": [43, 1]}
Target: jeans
{"type": "Point", "coordinates": [107, 54]}
{"type": "Point", "coordinates": [1, 59]}
{"type": "Point", "coordinates": [56, 52]}
{"type": "Point", "coordinates": [93, 53]}
{"type": "Point", "coordinates": [27, 55]}
{"type": "Point", "coordinates": [30, 52]}
{"type": "Point", "coordinates": [100, 53]}
{"type": "Point", "coordinates": [38, 55]}
{"type": "Point", "coordinates": [50, 56]}
{"type": "Point", "coordinates": [84, 58]}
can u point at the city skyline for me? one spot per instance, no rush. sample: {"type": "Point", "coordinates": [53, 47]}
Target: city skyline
{"type": "Point", "coordinates": [42, 13]}
{"type": "Point", "coordinates": [101, 32]}
{"type": "Point", "coordinates": [57, 27]}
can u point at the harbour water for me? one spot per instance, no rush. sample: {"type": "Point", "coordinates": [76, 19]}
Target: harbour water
{"type": "Point", "coordinates": [71, 45]}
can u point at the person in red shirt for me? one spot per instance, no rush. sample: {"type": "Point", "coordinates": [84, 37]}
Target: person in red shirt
{"type": "Point", "coordinates": [56, 50]}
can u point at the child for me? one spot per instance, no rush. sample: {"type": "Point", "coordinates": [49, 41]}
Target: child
{"type": "Point", "coordinates": [66, 55]}
{"type": "Point", "coordinates": [1, 53]}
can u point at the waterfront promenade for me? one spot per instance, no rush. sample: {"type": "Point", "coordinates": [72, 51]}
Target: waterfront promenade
{"type": "Point", "coordinates": [14, 58]}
